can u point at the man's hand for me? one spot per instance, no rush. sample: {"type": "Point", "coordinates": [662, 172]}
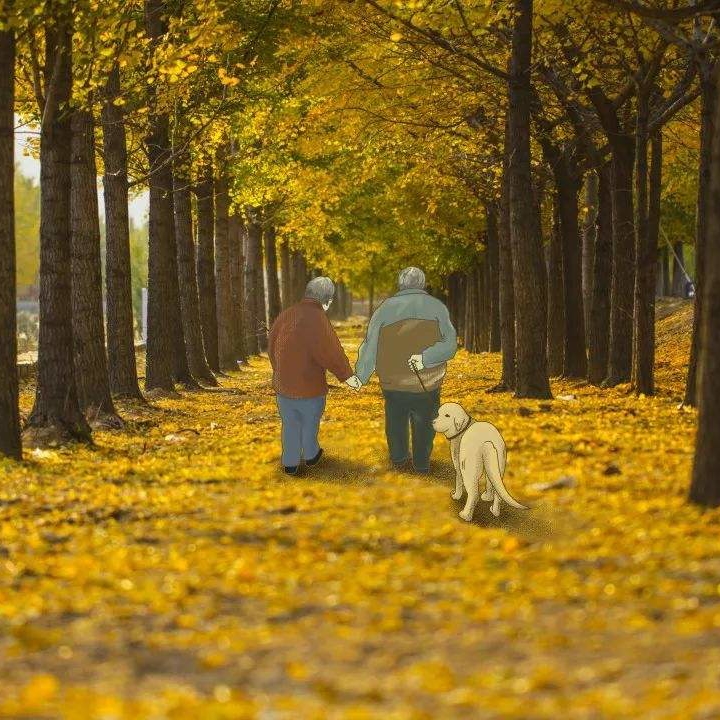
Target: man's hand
{"type": "Point", "coordinates": [416, 361]}
{"type": "Point", "coordinates": [354, 382]}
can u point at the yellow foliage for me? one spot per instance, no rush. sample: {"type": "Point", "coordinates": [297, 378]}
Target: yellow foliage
{"type": "Point", "coordinates": [144, 578]}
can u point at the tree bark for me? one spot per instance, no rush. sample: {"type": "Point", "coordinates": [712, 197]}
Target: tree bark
{"type": "Point", "coordinates": [299, 274]}
{"type": "Point", "coordinates": [705, 486]}
{"type": "Point", "coordinates": [678, 274]}
{"type": "Point", "coordinates": [646, 237]}
{"type": "Point", "coordinates": [122, 366]}
{"type": "Point", "coordinates": [528, 271]}
{"type": "Point", "coordinates": [261, 308]}
{"type": "Point", "coordinates": [236, 237]}
{"type": "Point", "coordinates": [599, 329]}
{"type": "Point", "coordinates": [56, 415]}
{"type": "Point", "coordinates": [663, 272]}
{"type": "Point", "coordinates": [589, 238]}
{"type": "Point", "coordinates": [471, 303]}
{"type": "Point", "coordinates": [556, 297]}
{"type": "Point", "coordinates": [623, 262]}
{"type": "Point", "coordinates": [286, 288]}
{"type": "Point", "coordinates": [493, 264]}
{"type": "Point", "coordinates": [91, 364]}
{"type": "Point", "coordinates": [482, 318]}
{"type": "Point", "coordinates": [163, 304]}
{"type": "Point", "coordinates": [507, 292]}
{"type": "Point", "coordinates": [707, 133]}
{"type": "Point", "coordinates": [223, 269]}
{"type": "Point", "coordinates": [271, 274]}
{"type": "Point", "coordinates": [187, 278]}
{"type": "Point", "coordinates": [252, 241]}
{"type": "Point", "coordinates": [206, 266]}
{"type": "Point", "coordinates": [10, 443]}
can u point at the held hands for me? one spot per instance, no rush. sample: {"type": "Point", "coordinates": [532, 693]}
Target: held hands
{"type": "Point", "coordinates": [354, 382]}
{"type": "Point", "coordinates": [416, 361]}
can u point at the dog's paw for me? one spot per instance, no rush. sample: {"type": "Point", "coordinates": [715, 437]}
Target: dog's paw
{"type": "Point", "coordinates": [467, 517]}
{"type": "Point", "coordinates": [495, 510]}
{"type": "Point", "coordinates": [488, 495]}
{"type": "Point", "coordinates": [457, 495]}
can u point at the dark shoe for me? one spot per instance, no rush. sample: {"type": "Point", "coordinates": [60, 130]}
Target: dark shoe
{"type": "Point", "coordinates": [315, 460]}
{"type": "Point", "coordinates": [291, 469]}
{"type": "Point", "coordinates": [403, 466]}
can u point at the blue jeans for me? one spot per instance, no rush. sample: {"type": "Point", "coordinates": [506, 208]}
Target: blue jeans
{"type": "Point", "coordinates": [300, 425]}
{"type": "Point", "coordinates": [409, 413]}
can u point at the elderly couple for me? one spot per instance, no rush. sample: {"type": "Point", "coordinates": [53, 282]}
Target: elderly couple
{"type": "Point", "coordinates": [409, 340]}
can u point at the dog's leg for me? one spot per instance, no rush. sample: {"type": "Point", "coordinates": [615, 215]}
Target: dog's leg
{"type": "Point", "coordinates": [495, 507]}
{"type": "Point", "coordinates": [489, 493]}
{"type": "Point", "coordinates": [457, 495]}
{"type": "Point", "coordinates": [471, 480]}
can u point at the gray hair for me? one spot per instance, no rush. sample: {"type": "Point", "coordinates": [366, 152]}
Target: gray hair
{"type": "Point", "coordinates": [321, 289]}
{"type": "Point", "coordinates": [411, 278]}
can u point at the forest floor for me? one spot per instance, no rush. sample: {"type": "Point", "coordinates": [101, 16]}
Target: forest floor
{"type": "Point", "coordinates": [171, 571]}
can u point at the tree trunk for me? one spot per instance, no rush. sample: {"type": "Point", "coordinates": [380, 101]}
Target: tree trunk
{"type": "Point", "coordinates": [589, 238]}
{"type": "Point", "coordinates": [647, 230]}
{"type": "Point", "coordinates": [57, 414]}
{"type": "Point", "coordinates": [471, 302]}
{"type": "Point", "coordinates": [206, 266]}
{"type": "Point", "coordinates": [663, 272]}
{"type": "Point", "coordinates": [285, 276]}
{"type": "Point", "coordinates": [252, 242]}
{"type": "Point", "coordinates": [482, 318]}
{"type": "Point", "coordinates": [556, 297]}
{"type": "Point", "coordinates": [678, 274]}
{"type": "Point", "coordinates": [236, 237]}
{"type": "Point", "coordinates": [91, 364]}
{"type": "Point", "coordinates": [623, 267]}
{"type": "Point", "coordinates": [187, 279]}
{"type": "Point", "coordinates": [261, 308]}
{"type": "Point", "coordinates": [223, 270]}
{"type": "Point", "coordinates": [493, 264]}
{"type": "Point", "coordinates": [707, 133]}
{"type": "Point", "coordinates": [528, 269]}
{"type": "Point", "coordinates": [122, 366]}
{"type": "Point", "coordinates": [598, 332]}
{"type": "Point", "coordinates": [10, 443]}
{"type": "Point", "coordinates": [705, 487]}
{"type": "Point", "coordinates": [507, 293]}
{"type": "Point", "coordinates": [162, 309]}
{"type": "Point", "coordinates": [299, 274]}
{"type": "Point", "coordinates": [271, 274]}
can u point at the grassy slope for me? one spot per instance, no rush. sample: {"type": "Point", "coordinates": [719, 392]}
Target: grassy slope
{"type": "Point", "coordinates": [166, 573]}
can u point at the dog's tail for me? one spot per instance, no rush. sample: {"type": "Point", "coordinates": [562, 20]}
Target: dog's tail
{"type": "Point", "coordinates": [492, 469]}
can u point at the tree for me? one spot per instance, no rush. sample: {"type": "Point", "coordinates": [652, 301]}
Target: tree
{"type": "Point", "coordinates": [271, 273]}
{"type": "Point", "coordinates": [10, 443]}
{"type": "Point", "coordinates": [705, 486]}
{"type": "Point", "coordinates": [122, 366]}
{"type": "Point", "coordinates": [91, 364]}
{"type": "Point", "coordinates": [223, 270]}
{"type": "Point", "coordinates": [56, 415]}
{"type": "Point", "coordinates": [528, 271]}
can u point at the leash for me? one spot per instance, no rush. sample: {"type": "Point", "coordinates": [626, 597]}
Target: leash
{"type": "Point", "coordinates": [417, 375]}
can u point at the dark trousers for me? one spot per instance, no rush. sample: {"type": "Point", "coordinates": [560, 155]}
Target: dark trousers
{"type": "Point", "coordinates": [409, 413]}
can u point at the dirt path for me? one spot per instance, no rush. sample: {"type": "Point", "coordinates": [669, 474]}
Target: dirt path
{"type": "Point", "coordinates": [172, 571]}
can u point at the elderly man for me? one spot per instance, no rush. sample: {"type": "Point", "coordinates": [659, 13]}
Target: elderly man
{"type": "Point", "coordinates": [409, 340]}
{"type": "Point", "coordinates": [303, 345]}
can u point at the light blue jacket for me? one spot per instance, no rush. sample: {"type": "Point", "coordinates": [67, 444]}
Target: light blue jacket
{"type": "Point", "coordinates": [409, 305]}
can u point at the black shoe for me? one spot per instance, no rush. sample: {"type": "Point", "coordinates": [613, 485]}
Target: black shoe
{"type": "Point", "coordinates": [315, 460]}
{"type": "Point", "coordinates": [403, 465]}
{"type": "Point", "coordinates": [291, 469]}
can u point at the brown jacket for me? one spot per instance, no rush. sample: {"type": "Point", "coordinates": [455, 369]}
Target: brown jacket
{"type": "Point", "coordinates": [303, 345]}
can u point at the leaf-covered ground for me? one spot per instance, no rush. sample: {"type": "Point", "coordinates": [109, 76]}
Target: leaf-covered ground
{"type": "Point", "coordinates": [172, 572]}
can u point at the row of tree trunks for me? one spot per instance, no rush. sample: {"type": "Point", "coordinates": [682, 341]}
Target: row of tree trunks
{"type": "Point", "coordinates": [556, 297]}
{"type": "Point", "coordinates": [56, 414]}
{"type": "Point", "coordinates": [118, 297]}
{"type": "Point", "coordinates": [223, 268]}
{"type": "Point", "coordinates": [507, 292]}
{"type": "Point", "coordinates": [253, 258]}
{"type": "Point", "coordinates": [10, 443]}
{"type": "Point", "coordinates": [271, 275]}
{"type": "Point", "coordinates": [236, 242]}
{"type": "Point", "coordinates": [493, 269]}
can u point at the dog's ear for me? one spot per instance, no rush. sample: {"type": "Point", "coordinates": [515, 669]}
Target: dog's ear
{"type": "Point", "coordinates": [459, 422]}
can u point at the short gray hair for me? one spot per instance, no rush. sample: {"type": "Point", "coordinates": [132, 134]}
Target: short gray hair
{"type": "Point", "coordinates": [411, 278]}
{"type": "Point", "coordinates": [321, 289]}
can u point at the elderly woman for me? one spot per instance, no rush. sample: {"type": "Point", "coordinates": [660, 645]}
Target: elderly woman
{"type": "Point", "coordinates": [303, 345]}
{"type": "Point", "coordinates": [409, 340]}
